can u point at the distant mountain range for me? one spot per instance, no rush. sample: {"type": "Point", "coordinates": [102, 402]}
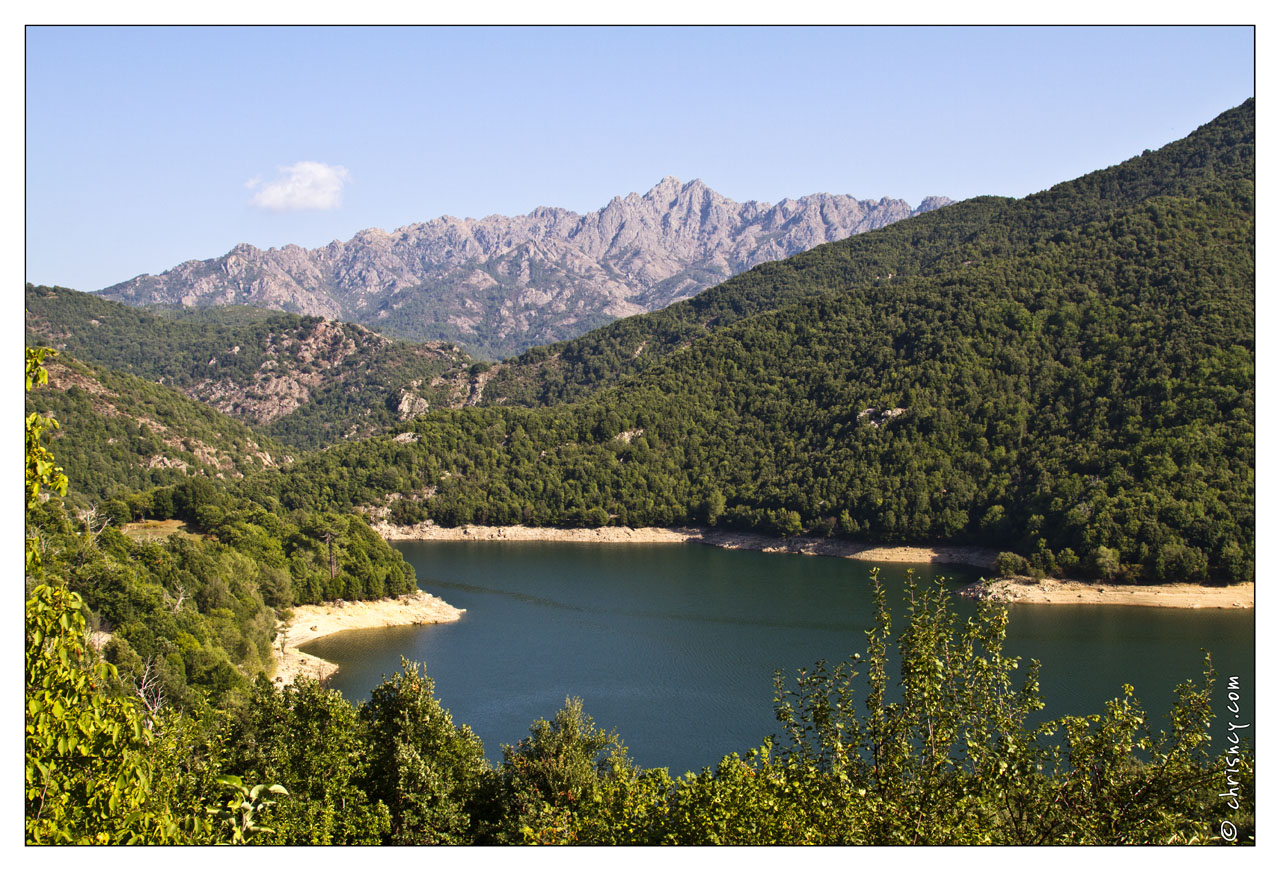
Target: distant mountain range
{"type": "Point", "coordinates": [503, 284]}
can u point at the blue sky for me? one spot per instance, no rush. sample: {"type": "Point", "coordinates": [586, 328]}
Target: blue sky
{"type": "Point", "coordinates": [150, 146]}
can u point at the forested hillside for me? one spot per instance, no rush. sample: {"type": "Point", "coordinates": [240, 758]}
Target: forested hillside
{"type": "Point", "coordinates": [1070, 377]}
{"type": "Point", "coordinates": [193, 612]}
{"type": "Point", "coordinates": [946, 242]}
{"type": "Point", "coordinates": [305, 381]}
{"type": "Point", "coordinates": [129, 435]}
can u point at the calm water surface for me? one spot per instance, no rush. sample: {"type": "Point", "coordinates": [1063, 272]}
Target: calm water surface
{"type": "Point", "coordinates": [675, 645]}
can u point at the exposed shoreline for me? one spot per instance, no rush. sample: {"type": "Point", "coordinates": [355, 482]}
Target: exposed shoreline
{"type": "Point", "coordinates": [1017, 590]}
{"type": "Point", "coordinates": [1052, 591]}
{"type": "Point", "coordinates": [310, 622]}
{"type": "Point", "coordinates": [983, 558]}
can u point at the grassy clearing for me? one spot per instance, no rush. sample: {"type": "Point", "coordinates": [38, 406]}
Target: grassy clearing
{"type": "Point", "coordinates": [147, 530]}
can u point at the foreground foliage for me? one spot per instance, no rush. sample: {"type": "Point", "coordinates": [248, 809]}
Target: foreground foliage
{"type": "Point", "coordinates": [950, 752]}
{"type": "Point", "coordinates": [102, 767]}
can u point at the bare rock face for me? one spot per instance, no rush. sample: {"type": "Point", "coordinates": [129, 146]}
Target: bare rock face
{"type": "Point", "coordinates": [503, 284]}
{"type": "Point", "coordinates": [275, 391]}
{"type": "Point", "coordinates": [411, 405]}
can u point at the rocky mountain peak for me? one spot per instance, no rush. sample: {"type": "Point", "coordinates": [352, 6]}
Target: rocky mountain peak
{"type": "Point", "coordinates": [666, 186]}
{"type": "Point", "coordinates": [502, 284]}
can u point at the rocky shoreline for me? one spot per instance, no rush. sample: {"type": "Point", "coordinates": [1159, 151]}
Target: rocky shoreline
{"type": "Point", "coordinates": [1052, 591]}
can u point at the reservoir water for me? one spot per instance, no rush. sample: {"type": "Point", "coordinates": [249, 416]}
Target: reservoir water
{"type": "Point", "coordinates": [674, 646]}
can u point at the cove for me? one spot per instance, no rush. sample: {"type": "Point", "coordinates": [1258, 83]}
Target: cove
{"type": "Point", "coordinates": [674, 646]}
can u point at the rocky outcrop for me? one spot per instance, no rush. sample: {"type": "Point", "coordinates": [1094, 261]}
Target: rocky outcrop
{"type": "Point", "coordinates": [502, 284]}
{"type": "Point", "coordinates": [411, 405]}
{"type": "Point", "coordinates": [297, 365]}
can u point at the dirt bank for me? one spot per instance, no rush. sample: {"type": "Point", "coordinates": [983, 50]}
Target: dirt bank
{"type": "Point", "coordinates": [1023, 590]}
{"type": "Point", "coordinates": [970, 556]}
{"type": "Point", "coordinates": [310, 622]}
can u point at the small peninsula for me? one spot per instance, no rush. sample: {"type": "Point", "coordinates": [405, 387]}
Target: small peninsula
{"type": "Point", "coordinates": [310, 622]}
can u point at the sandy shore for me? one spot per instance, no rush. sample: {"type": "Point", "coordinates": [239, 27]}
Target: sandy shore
{"type": "Point", "coordinates": [310, 622]}
{"type": "Point", "coordinates": [1050, 591]}
{"type": "Point", "coordinates": [969, 556]}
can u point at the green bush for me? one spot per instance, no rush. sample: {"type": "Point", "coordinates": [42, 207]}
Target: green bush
{"type": "Point", "coordinates": [1008, 564]}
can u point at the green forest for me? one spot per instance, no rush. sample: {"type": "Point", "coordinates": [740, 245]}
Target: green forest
{"type": "Point", "coordinates": [1068, 378]}
{"type": "Point", "coordinates": [131, 436]}
{"type": "Point", "coordinates": [195, 613]}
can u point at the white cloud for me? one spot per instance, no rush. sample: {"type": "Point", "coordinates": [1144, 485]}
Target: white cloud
{"type": "Point", "coordinates": [305, 185]}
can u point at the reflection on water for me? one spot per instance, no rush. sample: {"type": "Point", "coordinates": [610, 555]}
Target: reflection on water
{"type": "Point", "coordinates": [675, 645]}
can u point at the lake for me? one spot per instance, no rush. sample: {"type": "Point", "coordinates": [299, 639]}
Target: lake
{"type": "Point", "coordinates": [674, 646]}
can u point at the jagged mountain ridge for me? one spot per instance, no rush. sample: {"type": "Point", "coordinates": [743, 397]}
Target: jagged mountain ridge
{"type": "Point", "coordinates": [502, 284]}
